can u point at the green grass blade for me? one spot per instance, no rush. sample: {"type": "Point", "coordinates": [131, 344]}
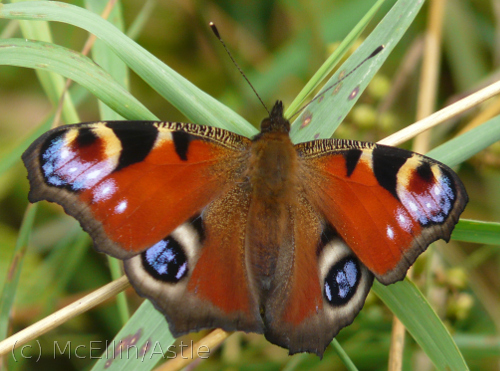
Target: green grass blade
{"type": "Point", "coordinates": [147, 333]}
{"type": "Point", "coordinates": [332, 60]}
{"type": "Point", "coordinates": [12, 279]}
{"type": "Point", "coordinates": [45, 278]}
{"type": "Point", "coordinates": [407, 302]}
{"type": "Point", "coordinates": [108, 60]}
{"type": "Point", "coordinates": [327, 113]}
{"type": "Point", "coordinates": [71, 255]}
{"type": "Point", "coordinates": [40, 55]}
{"type": "Point", "coordinates": [349, 364]}
{"type": "Point", "coordinates": [198, 106]}
{"type": "Point", "coordinates": [477, 232]}
{"type": "Point", "coordinates": [52, 83]}
{"type": "Point", "coordinates": [115, 268]}
{"type": "Point", "coordinates": [459, 149]}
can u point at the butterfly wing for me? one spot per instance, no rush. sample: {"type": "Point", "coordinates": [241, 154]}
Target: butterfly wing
{"type": "Point", "coordinates": [130, 184]}
{"type": "Point", "coordinates": [320, 288]}
{"type": "Point", "coordinates": [197, 276]}
{"type": "Point", "coordinates": [362, 210]}
{"type": "Point", "coordinates": [388, 204]}
{"type": "Point", "coordinates": [143, 186]}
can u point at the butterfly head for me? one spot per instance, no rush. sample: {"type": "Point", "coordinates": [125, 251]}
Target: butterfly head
{"type": "Point", "coordinates": [275, 122]}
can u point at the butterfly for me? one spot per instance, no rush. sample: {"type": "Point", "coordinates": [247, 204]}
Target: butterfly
{"type": "Point", "coordinates": [256, 235]}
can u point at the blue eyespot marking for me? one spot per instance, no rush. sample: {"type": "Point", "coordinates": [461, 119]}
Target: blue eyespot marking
{"type": "Point", "coordinates": [342, 281]}
{"type": "Point", "coordinates": [166, 261]}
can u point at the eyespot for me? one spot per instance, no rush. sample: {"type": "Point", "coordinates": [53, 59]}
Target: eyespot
{"type": "Point", "coordinates": [342, 281]}
{"type": "Point", "coordinates": [166, 261]}
{"type": "Point", "coordinates": [161, 273]}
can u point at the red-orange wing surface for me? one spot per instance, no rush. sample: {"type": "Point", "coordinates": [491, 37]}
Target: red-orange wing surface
{"type": "Point", "coordinates": [387, 204]}
{"type": "Point", "coordinates": [197, 276]}
{"type": "Point", "coordinates": [140, 189]}
{"type": "Point", "coordinates": [130, 184]}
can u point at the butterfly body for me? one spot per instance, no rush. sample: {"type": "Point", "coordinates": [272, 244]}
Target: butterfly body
{"type": "Point", "coordinates": [258, 235]}
{"type": "Point", "coordinates": [272, 187]}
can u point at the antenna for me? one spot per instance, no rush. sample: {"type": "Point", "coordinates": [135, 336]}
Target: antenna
{"type": "Point", "coordinates": [216, 33]}
{"type": "Point", "coordinates": [373, 54]}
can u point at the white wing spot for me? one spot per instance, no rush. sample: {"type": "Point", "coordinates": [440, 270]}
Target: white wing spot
{"type": "Point", "coordinates": [104, 190]}
{"type": "Point", "coordinates": [94, 174]}
{"type": "Point", "coordinates": [182, 270]}
{"type": "Point", "coordinates": [390, 232]}
{"type": "Point", "coordinates": [328, 291]}
{"type": "Point", "coordinates": [412, 205]}
{"type": "Point", "coordinates": [437, 190]}
{"type": "Point", "coordinates": [122, 206]}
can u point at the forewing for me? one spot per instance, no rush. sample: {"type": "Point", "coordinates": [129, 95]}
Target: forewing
{"type": "Point", "coordinates": [130, 184]}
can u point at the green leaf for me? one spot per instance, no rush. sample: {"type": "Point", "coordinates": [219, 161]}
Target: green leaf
{"type": "Point", "coordinates": [463, 147]}
{"type": "Point", "coordinates": [145, 340]}
{"type": "Point", "coordinates": [477, 232]}
{"type": "Point", "coordinates": [333, 59]}
{"type": "Point", "coordinates": [414, 311]}
{"type": "Point", "coordinates": [108, 60]}
{"type": "Point", "coordinates": [343, 356]}
{"type": "Point", "coordinates": [52, 83]}
{"type": "Point", "coordinates": [10, 286]}
{"type": "Point", "coordinates": [463, 45]}
{"type": "Point", "coordinates": [41, 55]}
{"type": "Point", "coordinates": [327, 113]}
{"type": "Point", "coordinates": [198, 106]}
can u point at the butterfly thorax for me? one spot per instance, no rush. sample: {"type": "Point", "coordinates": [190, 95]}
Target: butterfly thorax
{"type": "Point", "coordinates": [273, 159]}
{"type": "Point", "coordinates": [272, 167]}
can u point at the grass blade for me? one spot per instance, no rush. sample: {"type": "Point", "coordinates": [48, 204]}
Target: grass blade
{"type": "Point", "coordinates": [477, 232]}
{"type": "Point", "coordinates": [77, 67]}
{"type": "Point", "coordinates": [319, 120]}
{"type": "Point", "coordinates": [140, 344]}
{"type": "Point", "coordinates": [198, 106]}
{"type": "Point", "coordinates": [51, 82]}
{"type": "Point", "coordinates": [465, 146]}
{"type": "Point", "coordinates": [332, 60]}
{"type": "Point", "coordinates": [10, 285]}
{"type": "Point", "coordinates": [412, 308]}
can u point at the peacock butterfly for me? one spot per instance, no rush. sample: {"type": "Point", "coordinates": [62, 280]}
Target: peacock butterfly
{"type": "Point", "coordinates": [257, 235]}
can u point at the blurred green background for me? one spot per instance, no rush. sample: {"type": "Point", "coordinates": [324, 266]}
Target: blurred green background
{"type": "Point", "coordinates": [279, 45]}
